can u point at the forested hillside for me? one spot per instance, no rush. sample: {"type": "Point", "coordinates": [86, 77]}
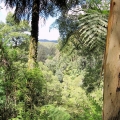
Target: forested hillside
{"type": "Point", "coordinates": [63, 80]}
{"type": "Point", "coordinates": [79, 83]}
{"type": "Point", "coordinates": [64, 86]}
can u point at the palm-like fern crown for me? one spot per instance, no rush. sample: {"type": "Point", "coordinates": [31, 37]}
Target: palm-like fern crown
{"type": "Point", "coordinates": [23, 8]}
{"type": "Point", "coordinates": [86, 31]}
{"type": "Point", "coordinates": [92, 29]}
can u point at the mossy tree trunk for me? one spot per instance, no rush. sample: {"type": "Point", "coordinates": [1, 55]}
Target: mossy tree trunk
{"type": "Point", "coordinates": [111, 105]}
{"type": "Point", "coordinates": [34, 35]}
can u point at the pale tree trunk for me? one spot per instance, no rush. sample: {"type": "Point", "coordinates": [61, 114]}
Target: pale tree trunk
{"type": "Point", "coordinates": [111, 104]}
{"type": "Point", "coordinates": [34, 35]}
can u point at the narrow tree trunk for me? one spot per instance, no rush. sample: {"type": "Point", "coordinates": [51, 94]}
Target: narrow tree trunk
{"type": "Point", "coordinates": [34, 35]}
{"type": "Point", "coordinates": [111, 105]}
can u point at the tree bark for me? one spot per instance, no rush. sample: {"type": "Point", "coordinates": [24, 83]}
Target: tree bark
{"type": "Point", "coordinates": [111, 103]}
{"type": "Point", "coordinates": [34, 35]}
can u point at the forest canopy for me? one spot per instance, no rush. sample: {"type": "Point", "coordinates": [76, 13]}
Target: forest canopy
{"type": "Point", "coordinates": [53, 81]}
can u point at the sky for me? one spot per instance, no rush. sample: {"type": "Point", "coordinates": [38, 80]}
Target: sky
{"type": "Point", "coordinates": [44, 32]}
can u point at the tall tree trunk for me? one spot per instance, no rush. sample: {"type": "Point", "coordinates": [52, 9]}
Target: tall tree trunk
{"type": "Point", "coordinates": [111, 105]}
{"type": "Point", "coordinates": [34, 35]}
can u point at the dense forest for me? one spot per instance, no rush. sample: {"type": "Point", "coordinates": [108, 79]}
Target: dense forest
{"type": "Point", "coordinates": [63, 80]}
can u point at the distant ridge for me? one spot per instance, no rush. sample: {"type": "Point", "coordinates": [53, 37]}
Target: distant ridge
{"type": "Point", "coordinates": [45, 40]}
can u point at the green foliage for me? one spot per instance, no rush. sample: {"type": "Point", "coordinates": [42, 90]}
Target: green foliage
{"type": "Point", "coordinates": [93, 76]}
{"type": "Point", "coordinates": [72, 97]}
{"type": "Point", "coordinates": [53, 87]}
{"type": "Point", "coordinates": [40, 95]}
{"type": "Point", "coordinates": [21, 89]}
{"type": "Point", "coordinates": [66, 85]}
{"type": "Point", "coordinates": [46, 51]}
{"type": "Point", "coordinates": [77, 103]}
{"type": "Point", "coordinates": [92, 29]}
{"type": "Point", "coordinates": [66, 25]}
{"type": "Point", "coordinates": [88, 29]}
{"type": "Point", "coordinates": [30, 93]}
{"type": "Point", "coordinates": [51, 112]}
{"type": "Point", "coordinates": [14, 33]}
{"type": "Point", "coordinates": [92, 111]}
{"type": "Point", "coordinates": [59, 74]}
{"type": "Point", "coordinates": [8, 54]}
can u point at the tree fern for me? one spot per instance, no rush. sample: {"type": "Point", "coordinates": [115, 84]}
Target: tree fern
{"type": "Point", "coordinates": [92, 29]}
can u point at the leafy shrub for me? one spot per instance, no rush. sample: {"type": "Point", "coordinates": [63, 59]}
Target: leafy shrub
{"type": "Point", "coordinates": [21, 90]}
{"type": "Point", "coordinates": [51, 112]}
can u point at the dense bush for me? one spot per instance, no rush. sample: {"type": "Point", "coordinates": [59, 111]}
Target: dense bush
{"type": "Point", "coordinates": [21, 89]}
